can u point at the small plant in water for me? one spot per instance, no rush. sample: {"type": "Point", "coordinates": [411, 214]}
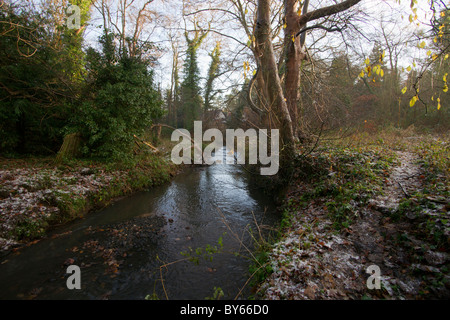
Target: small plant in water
{"type": "Point", "coordinates": [218, 293]}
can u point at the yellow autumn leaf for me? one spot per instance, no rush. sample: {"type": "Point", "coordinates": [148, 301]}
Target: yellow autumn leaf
{"type": "Point", "coordinates": [412, 102]}
{"type": "Point", "coordinates": [404, 90]}
{"type": "Point", "coordinates": [442, 14]}
{"type": "Point", "coordinates": [381, 72]}
{"type": "Point", "coordinates": [446, 57]}
{"type": "Point", "coordinates": [422, 45]}
{"type": "Point", "coordinates": [445, 77]}
{"type": "Point", "coordinates": [367, 61]}
{"type": "Point", "coordinates": [434, 57]}
{"type": "Point", "coordinates": [445, 88]}
{"type": "Point", "coordinates": [439, 103]}
{"type": "Point", "coordinates": [361, 75]}
{"type": "Point", "coordinates": [408, 69]}
{"type": "Point", "coordinates": [429, 53]}
{"type": "Point", "coordinates": [299, 11]}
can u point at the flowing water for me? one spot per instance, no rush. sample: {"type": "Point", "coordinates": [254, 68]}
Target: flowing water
{"type": "Point", "coordinates": [133, 248]}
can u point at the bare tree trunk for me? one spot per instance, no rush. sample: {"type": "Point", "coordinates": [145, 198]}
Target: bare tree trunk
{"type": "Point", "coordinates": [293, 57]}
{"type": "Point", "coordinates": [175, 86]}
{"type": "Point", "coordinates": [276, 103]}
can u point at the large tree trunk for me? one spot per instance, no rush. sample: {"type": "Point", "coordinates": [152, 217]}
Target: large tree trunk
{"type": "Point", "coordinates": [278, 109]}
{"type": "Point", "coordinates": [282, 107]}
{"type": "Point", "coordinates": [293, 57]}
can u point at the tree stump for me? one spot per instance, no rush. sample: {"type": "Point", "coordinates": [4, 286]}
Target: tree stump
{"type": "Point", "coordinates": [70, 148]}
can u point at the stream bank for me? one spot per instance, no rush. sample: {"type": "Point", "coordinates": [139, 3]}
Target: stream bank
{"type": "Point", "coordinates": [190, 238]}
{"type": "Point", "coordinates": [36, 195]}
{"type": "Point", "coordinates": [376, 202]}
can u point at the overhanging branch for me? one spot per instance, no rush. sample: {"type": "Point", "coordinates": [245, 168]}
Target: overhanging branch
{"type": "Point", "coordinates": [327, 11]}
{"type": "Point", "coordinates": [319, 26]}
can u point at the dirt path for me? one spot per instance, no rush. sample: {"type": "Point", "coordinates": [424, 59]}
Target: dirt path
{"type": "Point", "coordinates": [379, 240]}
{"type": "Point", "coordinates": [314, 263]}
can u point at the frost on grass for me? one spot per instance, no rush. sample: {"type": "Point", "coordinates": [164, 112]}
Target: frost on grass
{"type": "Point", "coordinates": [30, 197]}
{"type": "Point", "coordinates": [391, 230]}
{"type": "Point", "coordinates": [312, 262]}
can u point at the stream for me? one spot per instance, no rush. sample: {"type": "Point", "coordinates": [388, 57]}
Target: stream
{"type": "Point", "coordinates": [134, 248]}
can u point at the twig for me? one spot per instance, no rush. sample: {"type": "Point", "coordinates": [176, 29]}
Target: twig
{"type": "Point", "coordinates": [146, 143]}
{"type": "Point", "coordinates": [248, 280]}
{"type": "Point", "coordinates": [161, 276]}
{"type": "Point", "coordinates": [403, 189]}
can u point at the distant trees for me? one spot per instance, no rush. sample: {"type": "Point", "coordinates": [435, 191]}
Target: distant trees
{"type": "Point", "coordinates": [173, 94]}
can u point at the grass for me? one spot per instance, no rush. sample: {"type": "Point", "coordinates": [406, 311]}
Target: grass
{"type": "Point", "coordinates": [343, 177]}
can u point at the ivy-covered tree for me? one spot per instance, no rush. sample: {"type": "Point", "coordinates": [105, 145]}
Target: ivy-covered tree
{"type": "Point", "coordinates": [119, 102]}
{"type": "Point", "coordinates": [191, 98]}
{"type": "Point", "coordinates": [213, 73]}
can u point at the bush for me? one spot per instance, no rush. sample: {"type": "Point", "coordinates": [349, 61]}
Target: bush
{"type": "Point", "coordinates": [119, 102]}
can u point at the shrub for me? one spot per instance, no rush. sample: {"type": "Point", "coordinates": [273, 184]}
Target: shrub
{"type": "Point", "coordinates": [119, 102]}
